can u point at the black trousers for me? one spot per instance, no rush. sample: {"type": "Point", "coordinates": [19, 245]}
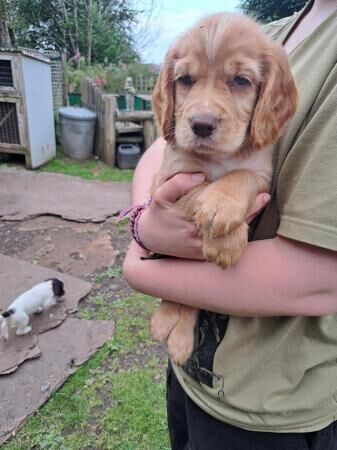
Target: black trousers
{"type": "Point", "coordinates": [191, 428]}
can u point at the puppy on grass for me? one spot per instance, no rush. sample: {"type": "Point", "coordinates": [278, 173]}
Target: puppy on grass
{"type": "Point", "coordinates": [37, 299]}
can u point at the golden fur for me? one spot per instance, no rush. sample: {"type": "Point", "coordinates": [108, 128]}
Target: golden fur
{"type": "Point", "coordinates": [224, 95]}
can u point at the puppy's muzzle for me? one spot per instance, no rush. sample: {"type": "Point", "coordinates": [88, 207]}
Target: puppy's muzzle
{"type": "Point", "coordinates": [203, 125]}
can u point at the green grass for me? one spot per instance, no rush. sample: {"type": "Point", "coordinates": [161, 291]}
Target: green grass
{"type": "Point", "coordinates": [88, 170]}
{"type": "Point", "coordinates": [110, 273]}
{"type": "Point", "coordinates": [115, 401]}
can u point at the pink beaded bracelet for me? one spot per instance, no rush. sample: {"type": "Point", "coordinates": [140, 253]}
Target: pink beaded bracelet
{"type": "Point", "coordinates": [136, 211]}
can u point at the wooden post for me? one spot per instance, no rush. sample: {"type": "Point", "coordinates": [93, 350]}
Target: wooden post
{"type": "Point", "coordinates": [65, 98]}
{"type": "Point", "coordinates": [148, 133]}
{"type": "Point", "coordinates": [99, 146]}
{"type": "Point", "coordinates": [110, 111]}
{"type": "Point", "coordinates": [85, 92]}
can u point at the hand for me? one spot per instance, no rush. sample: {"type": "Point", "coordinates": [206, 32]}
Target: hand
{"type": "Point", "coordinates": [261, 202]}
{"type": "Point", "coordinates": [164, 231]}
{"type": "Point", "coordinates": [161, 228]}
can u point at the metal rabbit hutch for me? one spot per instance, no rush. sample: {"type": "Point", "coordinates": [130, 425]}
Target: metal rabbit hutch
{"type": "Point", "coordinates": [26, 106]}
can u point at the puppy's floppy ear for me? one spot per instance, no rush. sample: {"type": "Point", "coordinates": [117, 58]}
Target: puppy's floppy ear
{"type": "Point", "coordinates": [163, 98]}
{"type": "Point", "coordinates": [58, 286]}
{"type": "Point", "coordinates": [277, 99]}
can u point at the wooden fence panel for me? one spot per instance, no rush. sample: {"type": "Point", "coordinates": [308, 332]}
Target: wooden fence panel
{"type": "Point", "coordinates": [106, 109]}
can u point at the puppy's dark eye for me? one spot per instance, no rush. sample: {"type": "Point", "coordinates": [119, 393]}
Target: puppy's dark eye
{"type": "Point", "coordinates": [186, 80]}
{"type": "Point", "coordinates": [241, 81]}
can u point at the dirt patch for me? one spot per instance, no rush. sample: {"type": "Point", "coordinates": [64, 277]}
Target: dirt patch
{"type": "Point", "coordinates": [79, 249]}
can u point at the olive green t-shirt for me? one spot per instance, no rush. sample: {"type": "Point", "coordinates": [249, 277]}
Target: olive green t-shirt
{"type": "Point", "coordinates": [279, 374]}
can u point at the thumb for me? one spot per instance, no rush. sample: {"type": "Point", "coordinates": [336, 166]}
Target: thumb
{"type": "Point", "coordinates": [260, 202]}
{"type": "Point", "coordinates": [177, 186]}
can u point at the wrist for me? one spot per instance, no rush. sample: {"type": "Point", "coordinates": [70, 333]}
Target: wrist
{"type": "Point", "coordinates": [134, 222]}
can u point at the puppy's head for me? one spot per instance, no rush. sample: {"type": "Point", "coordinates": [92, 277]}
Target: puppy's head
{"type": "Point", "coordinates": [57, 286]}
{"type": "Point", "coordinates": [224, 86]}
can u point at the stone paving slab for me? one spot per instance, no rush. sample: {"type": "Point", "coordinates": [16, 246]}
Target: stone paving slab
{"type": "Point", "coordinates": [25, 194]}
{"type": "Point", "coordinates": [62, 350]}
{"type": "Point", "coordinates": [16, 277]}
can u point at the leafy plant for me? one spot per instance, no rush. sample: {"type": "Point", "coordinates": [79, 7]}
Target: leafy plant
{"type": "Point", "coordinates": [111, 76]}
{"type": "Point", "coordinates": [95, 29]}
{"type": "Point", "coordinates": [269, 10]}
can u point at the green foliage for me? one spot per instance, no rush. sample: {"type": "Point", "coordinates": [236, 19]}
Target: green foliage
{"type": "Point", "coordinates": [99, 29]}
{"type": "Point", "coordinates": [111, 272]}
{"type": "Point", "coordinates": [269, 10]}
{"type": "Point", "coordinates": [111, 76]}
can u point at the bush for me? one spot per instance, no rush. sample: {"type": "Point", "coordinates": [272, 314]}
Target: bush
{"type": "Point", "coordinates": [110, 77]}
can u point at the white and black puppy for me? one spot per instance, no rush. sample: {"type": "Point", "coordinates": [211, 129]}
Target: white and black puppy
{"type": "Point", "coordinates": [39, 298]}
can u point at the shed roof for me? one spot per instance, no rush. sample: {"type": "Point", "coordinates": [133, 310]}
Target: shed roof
{"type": "Point", "coordinates": [30, 53]}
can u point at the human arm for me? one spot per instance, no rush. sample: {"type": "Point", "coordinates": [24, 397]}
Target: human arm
{"type": "Point", "coordinates": [274, 277]}
{"type": "Point", "coordinates": [145, 171]}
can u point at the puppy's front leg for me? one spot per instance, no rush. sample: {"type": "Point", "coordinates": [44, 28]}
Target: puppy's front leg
{"type": "Point", "coordinates": [220, 211]}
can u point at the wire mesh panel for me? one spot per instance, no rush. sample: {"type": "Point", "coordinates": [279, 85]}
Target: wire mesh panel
{"type": "Point", "coordinates": [9, 127]}
{"type": "Point", "coordinates": [6, 75]}
{"type": "Point", "coordinates": [57, 69]}
{"type": "Point", "coordinates": [56, 78]}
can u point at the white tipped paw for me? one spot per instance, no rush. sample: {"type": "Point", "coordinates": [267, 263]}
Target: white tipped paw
{"type": "Point", "coordinates": [23, 331]}
{"type": "Point", "coordinates": [4, 337]}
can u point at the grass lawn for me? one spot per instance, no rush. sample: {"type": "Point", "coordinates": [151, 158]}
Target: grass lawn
{"type": "Point", "coordinates": [114, 401]}
{"type": "Point", "coordinates": [88, 170]}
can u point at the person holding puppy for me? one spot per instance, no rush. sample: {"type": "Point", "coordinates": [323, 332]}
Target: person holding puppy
{"type": "Point", "coordinates": [264, 371]}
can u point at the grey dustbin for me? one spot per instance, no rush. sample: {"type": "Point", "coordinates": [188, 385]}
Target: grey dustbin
{"type": "Point", "coordinates": [77, 131]}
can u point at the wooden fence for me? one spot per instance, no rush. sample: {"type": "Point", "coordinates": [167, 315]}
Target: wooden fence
{"type": "Point", "coordinates": [105, 106]}
{"type": "Point", "coordinates": [144, 85]}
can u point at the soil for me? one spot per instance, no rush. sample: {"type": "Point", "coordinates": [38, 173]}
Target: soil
{"type": "Point", "coordinates": [79, 249]}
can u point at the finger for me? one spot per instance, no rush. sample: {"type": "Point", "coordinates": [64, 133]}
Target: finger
{"type": "Point", "coordinates": [177, 186]}
{"type": "Point", "coordinates": [260, 202]}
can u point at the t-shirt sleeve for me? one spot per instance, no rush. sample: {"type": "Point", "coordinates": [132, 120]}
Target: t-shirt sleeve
{"type": "Point", "coordinates": [307, 183]}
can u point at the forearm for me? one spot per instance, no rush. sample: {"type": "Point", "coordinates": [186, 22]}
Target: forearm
{"type": "Point", "coordinates": [274, 277]}
{"type": "Point", "coordinates": [145, 171]}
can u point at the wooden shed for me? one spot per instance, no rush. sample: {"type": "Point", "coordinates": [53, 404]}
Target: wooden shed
{"type": "Point", "coordinates": [26, 106]}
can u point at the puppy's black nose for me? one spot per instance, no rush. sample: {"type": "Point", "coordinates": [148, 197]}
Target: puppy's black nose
{"type": "Point", "coordinates": [203, 125]}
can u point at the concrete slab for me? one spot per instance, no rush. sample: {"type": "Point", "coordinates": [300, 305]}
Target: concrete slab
{"type": "Point", "coordinates": [25, 194]}
{"type": "Point", "coordinates": [62, 350]}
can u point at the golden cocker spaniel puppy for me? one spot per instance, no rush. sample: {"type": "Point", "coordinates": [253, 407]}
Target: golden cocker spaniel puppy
{"type": "Point", "coordinates": [223, 97]}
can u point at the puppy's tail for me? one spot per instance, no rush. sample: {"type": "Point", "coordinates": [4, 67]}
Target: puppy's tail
{"type": "Point", "coordinates": [7, 313]}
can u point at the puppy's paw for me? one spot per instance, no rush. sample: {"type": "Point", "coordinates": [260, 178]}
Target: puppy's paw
{"type": "Point", "coordinates": [4, 337]}
{"type": "Point", "coordinates": [217, 215]}
{"type": "Point", "coordinates": [180, 344]}
{"type": "Point", "coordinates": [23, 331]}
{"type": "Point", "coordinates": [226, 251]}
{"type": "Point", "coordinates": [162, 324]}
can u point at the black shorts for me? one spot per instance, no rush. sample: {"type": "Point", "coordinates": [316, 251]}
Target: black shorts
{"type": "Point", "coordinates": [191, 428]}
